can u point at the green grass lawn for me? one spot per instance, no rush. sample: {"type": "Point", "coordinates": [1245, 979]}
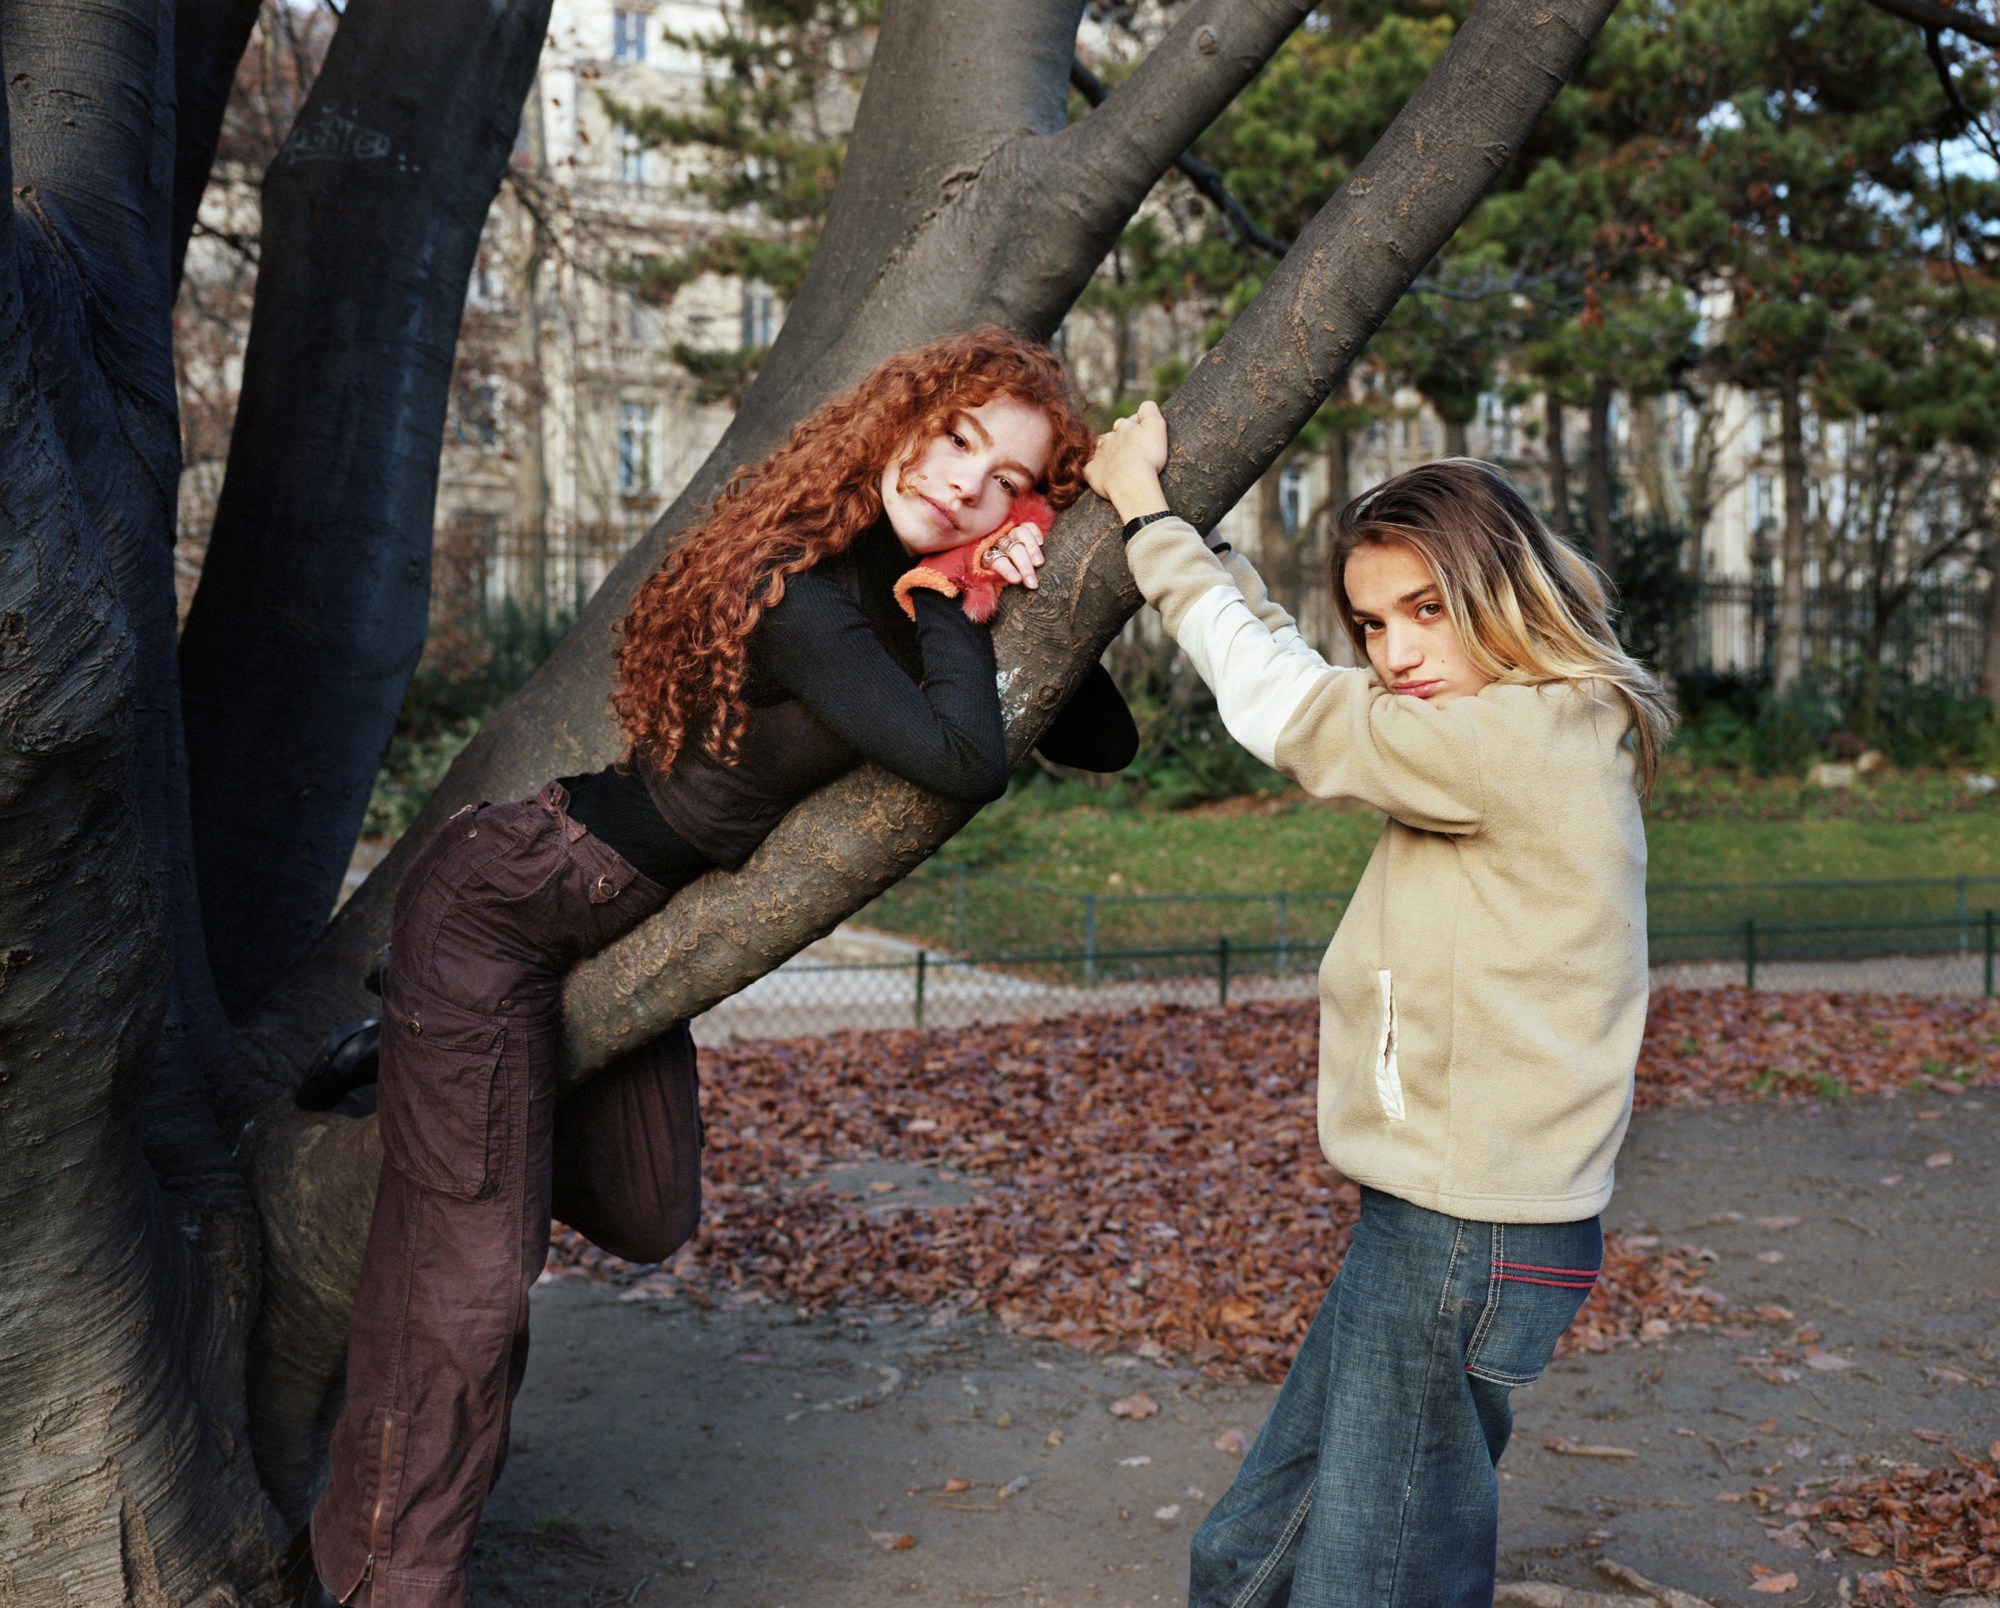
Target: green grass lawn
{"type": "Point", "coordinates": [1039, 852]}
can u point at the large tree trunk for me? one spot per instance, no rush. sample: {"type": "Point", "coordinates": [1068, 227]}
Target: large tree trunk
{"type": "Point", "coordinates": [128, 1270]}
{"type": "Point", "coordinates": [314, 596]}
{"type": "Point", "coordinates": [134, 1267]}
{"type": "Point", "coordinates": [1790, 661]}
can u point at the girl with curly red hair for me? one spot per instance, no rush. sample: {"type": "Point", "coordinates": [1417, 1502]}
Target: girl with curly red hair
{"type": "Point", "coordinates": [811, 620]}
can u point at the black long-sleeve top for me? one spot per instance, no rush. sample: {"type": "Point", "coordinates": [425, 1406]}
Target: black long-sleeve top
{"type": "Point", "coordinates": [917, 697]}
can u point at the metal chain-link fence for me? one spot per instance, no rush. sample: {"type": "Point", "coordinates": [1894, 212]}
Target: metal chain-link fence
{"type": "Point", "coordinates": [862, 979]}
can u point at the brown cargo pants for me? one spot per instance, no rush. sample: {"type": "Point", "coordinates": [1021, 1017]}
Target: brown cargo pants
{"type": "Point", "coordinates": [486, 921]}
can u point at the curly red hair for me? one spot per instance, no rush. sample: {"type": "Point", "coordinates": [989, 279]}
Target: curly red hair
{"type": "Point", "coordinates": [682, 651]}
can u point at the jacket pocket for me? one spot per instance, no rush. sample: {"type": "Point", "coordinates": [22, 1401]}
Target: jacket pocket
{"type": "Point", "coordinates": [437, 1093]}
{"type": "Point", "coordinates": [1388, 1080]}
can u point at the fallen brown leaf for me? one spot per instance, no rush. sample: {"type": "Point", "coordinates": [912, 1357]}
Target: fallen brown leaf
{"type": "Point", "coordinates": [1136, 1405]}
{"type": "Point", "coordinates": [1129, 1199]}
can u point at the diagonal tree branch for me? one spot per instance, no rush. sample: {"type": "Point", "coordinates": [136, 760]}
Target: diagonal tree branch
{"type": "Point", "coordinates": [209, 39]}
{"type": "Point", "coordinates": [313, 599]}
{"type": "Point", "coordinates": [1239, 409]}
{"type": "Point", "coordinates": [1147, 123]}
{"type": "Point", "coordinates": [1958, 19]}
{"type": "Point", "coordinates": [1207, 180]}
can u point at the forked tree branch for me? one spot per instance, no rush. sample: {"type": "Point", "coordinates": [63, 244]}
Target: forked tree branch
{"type": "Point", "coordinates": [1001, 240]}
{"type": "Point", "coordinates": [1147, 123]}
{"type": "Point", "coordinates": [1207, 180]}
{"type": "Point", "coordinates": [1239, 409]}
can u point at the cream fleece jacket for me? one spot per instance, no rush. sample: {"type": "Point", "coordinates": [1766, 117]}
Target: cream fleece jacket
{"type": "Point", "coordinates": [1482, 1002]}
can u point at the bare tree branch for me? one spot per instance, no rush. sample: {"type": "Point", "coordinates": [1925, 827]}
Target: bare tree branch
{"type": "Point", "coordinates": [1206, 180]}
{"type": "Point", "coordinates": [1929, 14]}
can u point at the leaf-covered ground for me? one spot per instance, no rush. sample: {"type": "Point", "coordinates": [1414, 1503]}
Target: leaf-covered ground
{"type": "Point", "coordinates": [1937, 1528]}
{"type": "Point", "coordinates": [1150, 1183]}
{"type": "Point", "coordinates": [1151, 1180]}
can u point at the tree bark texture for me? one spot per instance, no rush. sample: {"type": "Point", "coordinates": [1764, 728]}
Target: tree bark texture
{"type": "Point", "coordinates": [1790, 659]}
{"type": "Point", "coordinates": [314, 595]}
{"type": "Point", "coordinates": [127, 1272]}
{"type": "Point", "coordinates": [1989, 645]}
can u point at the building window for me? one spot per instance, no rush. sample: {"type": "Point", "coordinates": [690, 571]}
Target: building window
{"type": "Point", "coordinates": [1292, 508]}
{"type": "Point", "coordinates": [631, 159]}
{"type": "Point", "coordinates": [635, 449]}
{"type": "Point", "coordinates": [628, 36]}
{"type": "Point", "coordinates": [759, 315]}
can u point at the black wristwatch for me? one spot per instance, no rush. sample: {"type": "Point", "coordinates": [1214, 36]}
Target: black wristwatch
{"type": "Point", "coordinates": [1135, 525]}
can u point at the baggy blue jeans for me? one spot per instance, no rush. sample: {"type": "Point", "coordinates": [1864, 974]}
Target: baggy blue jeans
{"type": "Point", "coordinates": [1372, 1484]}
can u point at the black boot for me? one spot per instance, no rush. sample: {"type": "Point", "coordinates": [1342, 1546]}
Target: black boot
{"type": "Point", "coordinates": [346, 1061]}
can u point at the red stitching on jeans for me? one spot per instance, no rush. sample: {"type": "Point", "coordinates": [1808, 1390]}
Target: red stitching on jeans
{"type": "Point", "coordinates": [1554, 1284]}
{"type": "Point", "coordinates": [1573, 1272]}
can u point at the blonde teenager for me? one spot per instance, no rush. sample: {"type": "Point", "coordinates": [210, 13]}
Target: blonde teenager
{"type": "Point", "coordinates": [1481, 1003]}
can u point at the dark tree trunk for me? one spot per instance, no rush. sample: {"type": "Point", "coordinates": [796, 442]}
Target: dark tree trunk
{"type": "Point", "coordinates": [1278, 556]}
{"type": "Point", "coordinates": [134, 1262]}
{"type": "Point", "coordinates": [1339, 470]}
{"type": "Point", "coordinates": [1989, 644]}
{"type": "Point", "coordinates": [1454, 438]}
{"type": "Point", "coordinates": [1602, 450]}
{"type": "Point", "coordinates": [1790, 660]}
{"type": "Point", "coordinates": [130, 1260]}
{"type": "Point", "coordinates": [314, 595]}
{"type": "Point", "coordinates": [1560, 512]}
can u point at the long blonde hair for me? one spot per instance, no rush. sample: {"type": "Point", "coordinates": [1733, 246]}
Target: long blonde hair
{"type": "Point", "coordinates": [1528, 608]}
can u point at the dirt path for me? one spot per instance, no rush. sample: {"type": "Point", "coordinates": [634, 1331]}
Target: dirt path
{"type": "Point", "coordinates": [747, 1459]}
